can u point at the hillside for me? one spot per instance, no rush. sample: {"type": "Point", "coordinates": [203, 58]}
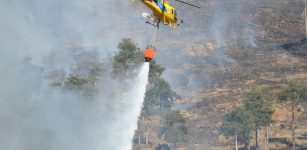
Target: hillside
{"type": "Point", "coordinates": [229, 57]}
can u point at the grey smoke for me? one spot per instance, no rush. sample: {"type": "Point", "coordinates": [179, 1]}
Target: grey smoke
{"type": "Point", "coordinates": [35, 115]}
{"type": "Point", "coordinates": [225, 24]}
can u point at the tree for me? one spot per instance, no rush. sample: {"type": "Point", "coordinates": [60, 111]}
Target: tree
{"type": "Point", "coordinates": [238, 123]}
{"type": "Point", "coordinates": [256, 112]}
{"type": "Point", "coordinates": [159, 98]}
{"type": "Point", "coordinates": [83, 67]}
{"type": "Point", "coordinates": [85, 86]}
{"type": "Point", "coordinates": [173, 127]}
{"type": "Point", "coordinates": [259, 102]}
{"type": "Point", "coordinates": [295, 94]}
{"type": "Point", "coordinates": [126, 59]}
{"type": "Point", "coordinates": [159, 94]}
{"type": "Point", "coordinates": [75, 82]}
{"type": "Point", "coordinates": [155, 70]}
{"type": "Point", "coordinates": [162, 147]}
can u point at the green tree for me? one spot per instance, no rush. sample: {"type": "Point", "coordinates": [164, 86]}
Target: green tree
{"type": "Point", "coordinates": [85, 70]}
{"type": "Point", "coordinates": [295, 94]}
{"type": "Point", "coordinates": [159, 100]}
{"type": "Point", "coordinates": [173, 127]}
{"type": "Point", "coordinates": [159, 95]}
{"type": "Point", "coordinates": [163, 147]}
{"type": "Point", "coordinates": [75, 82]}
{"type": "Point", "coordinates": [259, 102]}
{"type": "Point", "coordinates": [155, 70]}
{"type": "Point", "coordinates": [126, 59]}
{"type": "Point", "coordinates": [238, 123]}
{"type": "Point", "coordinates": [85, 86]}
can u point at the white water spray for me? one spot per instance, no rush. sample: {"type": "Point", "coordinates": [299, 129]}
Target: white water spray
{"type": "Point", "coordinates": [120, 113]}
{"type": "Point", "coordinates": [137, 94]}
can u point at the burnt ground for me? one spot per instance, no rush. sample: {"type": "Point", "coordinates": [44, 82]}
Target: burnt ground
{"type": "Point", "coordinates": [214, 76]}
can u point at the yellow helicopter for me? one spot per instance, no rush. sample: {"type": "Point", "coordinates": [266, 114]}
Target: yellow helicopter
{"type": "Point", "coordinates": [162, 11]}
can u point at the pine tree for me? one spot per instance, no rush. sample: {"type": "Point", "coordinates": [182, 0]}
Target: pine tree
{"type": "Point", "coordinates": [159, 95]}
{"type": "Point", "coordinates": [126, 59]}
{"type": "Point", "coordinates": [238, 123]}
{"type": "Point", "coordinates": [259, 102]}
{"type": "Point", "coordinates": [295, 94]}
{"type": "Point", "coordinates": [173, 127]}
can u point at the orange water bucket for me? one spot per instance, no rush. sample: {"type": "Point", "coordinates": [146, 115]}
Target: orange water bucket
{"type": "Point", "coordinates": [149, 54]}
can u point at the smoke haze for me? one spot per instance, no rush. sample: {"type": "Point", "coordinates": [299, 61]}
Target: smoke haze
{"type": "Point", "coordinates": [35, 116]}
{"type": "Point", "coordinates": [36, 38]}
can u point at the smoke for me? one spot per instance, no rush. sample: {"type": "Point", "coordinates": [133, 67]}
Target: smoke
{"type": "Point", "coordinates": [224, 26]}
{"type": "Point", "coordinates": [231, 23]}
{"type": "Point", "coordinates": [40, 117]}
{"type": "Point", "coordinates": [36, 38]}
{"type": "Point", "coordinates": [40, 26]}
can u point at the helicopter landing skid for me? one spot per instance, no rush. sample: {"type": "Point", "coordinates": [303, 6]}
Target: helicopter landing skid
{"type": "Point", "coordinates": [155, 24]}
{"type": "Point", "coordinates": [151, 19]}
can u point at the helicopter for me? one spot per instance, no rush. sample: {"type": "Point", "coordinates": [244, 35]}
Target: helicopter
{"type": "Point", "coordinates": [162, 11]}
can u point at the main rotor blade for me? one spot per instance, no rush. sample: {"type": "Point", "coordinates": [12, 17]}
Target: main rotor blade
{"type": "Point", "coordinates": [187, 3]}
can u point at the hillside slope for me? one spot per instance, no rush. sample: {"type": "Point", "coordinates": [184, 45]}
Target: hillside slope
{"type": "Point", "coordinates": [249, 44]}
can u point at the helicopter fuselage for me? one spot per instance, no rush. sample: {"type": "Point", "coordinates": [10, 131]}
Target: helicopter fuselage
{"type": "Point", "coordinates": [162, 11]}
